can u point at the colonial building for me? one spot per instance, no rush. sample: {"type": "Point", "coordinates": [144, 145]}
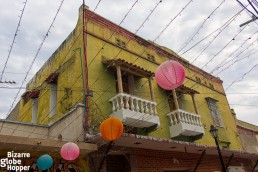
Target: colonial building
{"type": "Point", "coordinates": [110, 70]}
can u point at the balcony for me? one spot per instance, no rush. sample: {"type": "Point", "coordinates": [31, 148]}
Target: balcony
{"type": "Point", "coordinates": [134, 111]}
{"type": "Point", "coordinates": [185, 124]}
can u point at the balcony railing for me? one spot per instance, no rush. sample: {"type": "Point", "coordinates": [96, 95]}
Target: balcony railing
{"type": "Point", "coordinates": [185, 123]}
{"type": "Point", "coordinates": [134, 111]}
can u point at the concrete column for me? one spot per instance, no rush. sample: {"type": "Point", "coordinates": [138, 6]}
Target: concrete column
{"type": "Point", "coordinates": [175, 99]}
{"type": "Point", "coordinates": [151, 89]}
{"type": "Point", "coordinates": [119, 79]}
{"type": "Point", "coordinates": [194, 103]}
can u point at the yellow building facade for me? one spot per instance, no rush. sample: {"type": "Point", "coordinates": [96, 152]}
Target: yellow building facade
{"type": "Point", "coordinates": [119, 77]}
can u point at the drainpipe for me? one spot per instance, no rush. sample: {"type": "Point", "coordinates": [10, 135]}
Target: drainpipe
{"type": "Point", "coordinates": [85, 72]}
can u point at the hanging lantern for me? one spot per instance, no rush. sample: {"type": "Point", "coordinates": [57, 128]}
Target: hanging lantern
{"type": "Point", "coordinates": [44, 162]}
{"type": "Point", "coordinates": [111, 128]}
{"type": "Point", "coordinates": [70, 151]}
{"type": "Point", "coordinates": [170, 75]}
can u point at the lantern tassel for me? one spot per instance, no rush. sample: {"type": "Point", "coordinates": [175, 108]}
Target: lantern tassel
{"type": "Point", "coordinates": [103, 159]}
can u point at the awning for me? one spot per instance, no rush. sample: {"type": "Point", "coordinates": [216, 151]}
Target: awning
{"type": "Point", "coordinates": [129, 67]}
{"type": "Point", "coordinates": [31, 94]}
{"type": "Point", "coordinates": [146, 142]}
{"type": "Point", "coordinates": [52, 78]}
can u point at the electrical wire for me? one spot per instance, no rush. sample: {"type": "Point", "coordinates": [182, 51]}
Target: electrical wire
{"type": "Point", "coordinates": [243, 76]}
{"type": "Point", "coordinates": [226, 60]}
{"type": "Point", "coordinates": [220, 29]}
{"type": "Point", "coordinates": [200, 27]}
{"type": "Point", "coordinates": [147, 18]}
{"type": "Point", "coordinates": [121, 50]}
{"type": "Point", "coordinates": [97, 5]}
{"type": "Point", "coordinates": [224, 47]}
{"type": "Point", "coordinates": [172, 21]}
{"type": "Point", "coordinates": [213, 39]}
{"type": "Point", "coordinates": [113, 32]}
{"type": "Point", "coordinates": [225, 25]}
{"type": "Point", "coordinates": [244, 7]}
{"type": "Point", "coordinates": [14, 37]}
{"type": "Point", "coordinates": [230, 65]}
{"type": "Point", "coordinates": [44, 38]}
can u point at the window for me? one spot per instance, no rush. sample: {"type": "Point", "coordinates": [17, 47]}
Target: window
{"type": "Point", "coordinates": [212, 104]}
{"type": "Point", "coordinates": [53, 99]}
{"type": "Point", "coordinates": [34, 111]}
{"type": "Point", "coordinates": [150, 57]}
{"type": "Point", "coordinates": [52, 81]}
{"type": "Point", "coordinates": [120, 43]}
{"type": "Point", "coordinates": [211, 86]}
{"type": "Point", "coordinates": [198, 80]}
{"type": "Point", "coordinates": [128, 84]}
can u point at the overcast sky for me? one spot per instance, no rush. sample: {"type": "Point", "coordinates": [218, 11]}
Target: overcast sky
{"type": "Point", "coordinates": [230, 52]}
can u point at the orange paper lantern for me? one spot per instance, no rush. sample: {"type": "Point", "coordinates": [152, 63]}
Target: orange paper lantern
{"type": "Point", "coordinates": [111, 128]}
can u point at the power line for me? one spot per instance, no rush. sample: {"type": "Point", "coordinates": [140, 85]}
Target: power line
{"type": "Point", "coordinates": [230, 65]}
{"type": "Point", "coordinates": [245, 7]}
{"type": "Point", "coordinates": [62, 62]}
{"type": "Point", "coordinates": [97, 5]}
{"type": "Point", "coordinates": [147, 18]}
{"type": "Point", "coordinates": [226, 60]}
{"type": "Point", "coordinates": [220, 29]}
{"type": "Point", "coordinates": [242, 77]}
{"type": "Point", "coordinates": [225, 25]}
{"type": "Point", "coordinates": [113, 32]}
{"type": "Point", "coordinates": [172, 21]}
{"type": "Point", "coordinates": [44, 38]}
{"type": "Point", "coordinates": [199, 28]}
{"type": "Point", "coordinates": [15, 35]}
{"type": "Point", "coordinates": [224, 47]}
{"type": "Point", "coordinates": [121, 22]}
{"type": "Point", "coordinates": [213, 39]}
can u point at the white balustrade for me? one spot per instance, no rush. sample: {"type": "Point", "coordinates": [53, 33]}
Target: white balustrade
{"type": "Point", "coordinates": [127, 101]}
{"type": "Point", "coordinates": [185, 123]}
{"type": "Point", "coordinates": [134, 111]}
{"type": "Point", "coordinates": [180, 116]}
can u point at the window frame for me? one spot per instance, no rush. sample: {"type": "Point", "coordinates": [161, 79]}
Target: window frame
{"type": "Point", "coordinates": [214, 111]}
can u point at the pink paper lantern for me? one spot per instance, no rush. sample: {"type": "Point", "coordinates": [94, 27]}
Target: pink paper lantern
{"type": "Point", "coordinates": [170, 75]}
{"type": "Point", "coordinates": [70, 151]}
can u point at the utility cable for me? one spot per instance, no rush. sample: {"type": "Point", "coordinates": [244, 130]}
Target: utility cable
{"type": "Point", "coordinates": [172, 21]}
{"type": "Point", "coordinates": [15, 35]}
{"type": "Point", "coordinates": [97, 5]}
{"type": "Point", "coordinates": [226, 60]}
{"type": "Point", "coordinates": [218, 29]}
{"type": "Point", "coordinates": [147, 18]}
{"type": "Point", "coordinates": [44, 38]}
{"type": "Point", "coordinates": [128, 40]}
{"type": "Point", "coordinates": [242, 77]}
{"type": "Point", "coordinates": [247, 56]}
{"type": "Point", "coordinates": [113, 32]}
{"type": "Point", "coordinates": [224, 47]}
{"type": "Point", "coordinates": [200, 27]}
